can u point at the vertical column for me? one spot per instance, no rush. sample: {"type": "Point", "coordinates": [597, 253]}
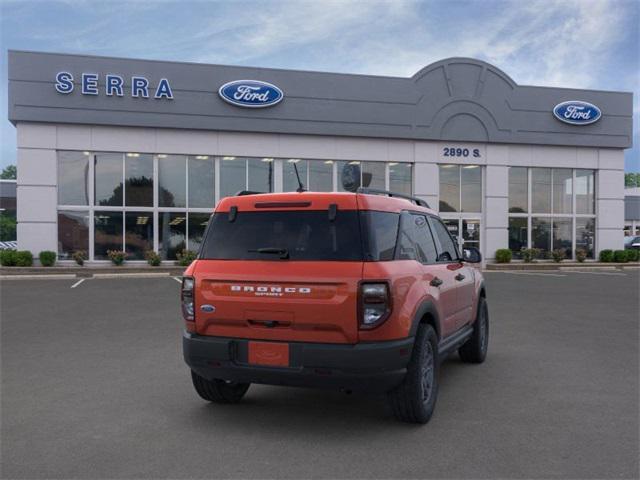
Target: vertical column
{"type": "Point", "coordinates": [37, 188]}
{"type": "Point", "coordinates": [426, 177]}
{"type": "Point", "coordinates": [610, 200]}
{"type": "Point", "coordinates": [495, 208]}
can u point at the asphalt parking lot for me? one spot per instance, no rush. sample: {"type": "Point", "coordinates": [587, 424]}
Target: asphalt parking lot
{"type": "Point", "coordinates": [94, 386]}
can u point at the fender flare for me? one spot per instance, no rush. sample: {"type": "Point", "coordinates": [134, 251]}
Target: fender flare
{"type": "Point", "coordinates": [426, 307]}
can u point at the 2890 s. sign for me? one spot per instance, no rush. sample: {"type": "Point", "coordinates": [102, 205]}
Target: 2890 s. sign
{"type": "Point", "coordinates": [250, 93]}
{"type": "Point", "coordinates": [577, 112]}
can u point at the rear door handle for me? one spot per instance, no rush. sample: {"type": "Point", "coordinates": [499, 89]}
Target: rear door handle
{"type": "Point", "coordinates": [436, 282]}
{"type": "Point", "coordinates": [459, 277]}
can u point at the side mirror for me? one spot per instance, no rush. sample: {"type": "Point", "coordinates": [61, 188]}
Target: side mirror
{"type": "Point", "coordinates": [471, 255]}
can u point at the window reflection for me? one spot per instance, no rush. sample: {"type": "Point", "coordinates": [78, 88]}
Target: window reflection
{"type": "Point", "coordinates": [449, 188]}
{"type": "Point", "coordinates": [517, 235]}
{"type": "Point", "coordinates": [400, 177]}
{"type": "Point", "coordinates": [171, 179]}
{"type": "Point", "coordinates": [201, 182]}
{"type": "Point", "coordinates": [73, 233]}
{"type": "Point", "coordinates": [471, 179]}
{"type": "Point", "coordinates": [139, 180]}
{"type": "Point", "coordinates": [562, 190]}
{"type": "Point", "coordinates": [562, 235]}
{"type": "Point", "coordinates": [585, 192]}
{"type": "Point", "coordinates": [541, 190]}
{"type": "Point", "coordinates": [541, 235]}
{"type": "Point", "coordinates": [138, 234]}
{"type": "Point", "coordinates": [73, 178]}
{"type": "Point", "coordinates": [373, 175]}
{"type": "Point", "coordinates": [233, 176]}
{"type": "Point", "coordinates": [108, 233]}
{"type": "Point", "coordinates": [585, 235]}
{"type": "Point", "coordinates": [197, 224]}
{"type": "Point", "coordinates": [171, 234]}
{"type": "Point", "coordinates": [518, 190]}
{"type": "Point", "coordinates": [108, 179]}
{"type": "Point", "coordinates": [260, 174]}
{"type": "Point", "coordinates": [320, 175]}
{"type": "Point", "coordinates": [289, 178]}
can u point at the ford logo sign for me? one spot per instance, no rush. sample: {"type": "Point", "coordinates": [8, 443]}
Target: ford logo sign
{"type": "Point", "coordinates": [250, 93]}
{"type": "Point", "coordinates": [208, 308]}
{"type": "Point", "coordinates": [577, 112]}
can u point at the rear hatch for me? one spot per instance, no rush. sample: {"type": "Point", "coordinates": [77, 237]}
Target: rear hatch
{"type": "Point", "coordinates": [281, 269]}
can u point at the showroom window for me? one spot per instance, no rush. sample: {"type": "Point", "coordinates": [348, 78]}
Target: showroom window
{"type": "Point", "coordinates": [460, 188]}
{"type": "Point", "coordinates": [551, 209]}
{"type": "Point", "coordinates": [138, 202]}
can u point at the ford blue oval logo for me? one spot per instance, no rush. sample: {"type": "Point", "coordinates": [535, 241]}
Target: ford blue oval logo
{"type": "Point", "coordinates": [208, 308]}
{"type": "Point", "coordinates": [250, 93]}
{"type": "Point", "coordinates": [577, 112]}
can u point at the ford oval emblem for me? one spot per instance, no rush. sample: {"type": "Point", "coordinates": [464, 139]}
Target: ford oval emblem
{"type": "Point", "coordinates": [577, 112]}
{"type": "Point", "coordinates": [250, 93]}
{"type": "Point", "coordinates": [208, 308]}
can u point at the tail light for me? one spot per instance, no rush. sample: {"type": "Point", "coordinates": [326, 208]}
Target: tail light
{"type": "Point", "coordinates": [375, 304]}
{"type": "Point", "coordinates": [186, 297]}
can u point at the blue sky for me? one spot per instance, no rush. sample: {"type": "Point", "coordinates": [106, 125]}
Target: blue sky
{"type": "Point", "coordinates": [569, 43]}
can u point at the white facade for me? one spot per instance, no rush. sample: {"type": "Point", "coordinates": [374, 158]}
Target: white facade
{"type": "Point", "coordinates": [38, 144]}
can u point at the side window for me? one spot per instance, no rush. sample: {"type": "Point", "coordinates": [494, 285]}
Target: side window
{"type": "Point", "coordinates": [415, 241]}
{"type": "Point", "coordinates": [447, 251]}
{"type": "Point", "coordinates": [379, 234]}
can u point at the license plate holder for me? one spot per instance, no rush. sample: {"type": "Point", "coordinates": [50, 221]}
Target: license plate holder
{"type": "Point", "coordinates": [268, 354]}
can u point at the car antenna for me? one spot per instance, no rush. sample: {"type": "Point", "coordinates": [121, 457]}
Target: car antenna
{"type": "Point", "coordinates": [300, 185]}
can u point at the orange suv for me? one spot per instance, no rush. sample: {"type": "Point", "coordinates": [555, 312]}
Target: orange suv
{"type": "Point", "coordinates": [360, 291]}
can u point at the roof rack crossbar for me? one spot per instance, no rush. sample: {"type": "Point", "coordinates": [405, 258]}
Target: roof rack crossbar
{"type": "Point", "coordinates": [242, 193]}
{"type": "Point", "coordinates": [375, 191]}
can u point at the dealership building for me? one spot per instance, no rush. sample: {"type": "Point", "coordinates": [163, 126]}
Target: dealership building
{"type": "Point", "coordinates": [132, 155]}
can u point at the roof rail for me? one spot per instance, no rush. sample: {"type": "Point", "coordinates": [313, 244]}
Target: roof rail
{"type": "Point", "coordinates": [375, 191]}
{"type": "Point", "coordinates": [242, 193]}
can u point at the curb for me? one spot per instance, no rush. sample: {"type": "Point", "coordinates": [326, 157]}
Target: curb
{"type": "Point", "coordinates": [31, 273]}
{"type": "Point", "coordinates": [560, 266]}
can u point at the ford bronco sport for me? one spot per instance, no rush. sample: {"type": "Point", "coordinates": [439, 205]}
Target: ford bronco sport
{"type": "Point", "coordinates": [357, 291]}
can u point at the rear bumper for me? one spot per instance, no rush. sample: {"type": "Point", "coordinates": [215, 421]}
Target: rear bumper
{"type": "Point", "coordinates": [368, 367]}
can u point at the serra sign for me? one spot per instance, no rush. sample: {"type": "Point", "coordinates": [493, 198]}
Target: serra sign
{"type": "Point", "coordinates": [113, 85]}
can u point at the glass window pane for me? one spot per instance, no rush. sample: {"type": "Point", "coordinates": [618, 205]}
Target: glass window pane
{"type": "Point", "coordinates": [172, 188]}
{"type": "Point", "coordinates": [400, 177]}
{"type": "Point", "coordinates": [471, 188]}
{"type": "Point", "coordinates": [138, 234]}
{"type": "Point", "coordinates": [373, 175]}
{"type": "Point", "coordinates": [585, 235]}
{"type": "Point", "coordinates": [518, 190]}
{"type": "Point", "coordinates": [562, 235]}
{"type": "Point", "coordinates": [541, 190]}
{"type": "Point", "coordinates": [562, 190]}
{"type": "Point", "coordinates": [448, 250]}
{"type": "Point", "coordinates": [260, 174]}
{"type": "Point", "coordinates": [320, 175]}
{"type": "Point", "coordinates": [73, 178]}
{"type": "Point", "coordinates": [108, 179]}
{"type": "Point", "coordinates": [197, 224]}
{"type": "Point", "coordinates": [202, 182]}
{"type": "Point", "coordinates": [541, 235]}
{"type": "Point", "coordinates": [73, 233]}
{"type": "Point", "coordinates": [172, 236]}
{"type": "Point", "coordinates": [449, 188]}
{"type": "Point", "coordinates": [289, 178]}
{"type": "Point", "coordinates": [108, 233]}
{"type": "Point", "coordinates": [379, 232]}
{"type": "Point", "coordinates": [138, 172]}
{"type": "Point", "coordinates": [517, 235]}
{"type": "Point", "coordinates": [233, 176]}
{"type": "Point", "coordinates": [585, 191]}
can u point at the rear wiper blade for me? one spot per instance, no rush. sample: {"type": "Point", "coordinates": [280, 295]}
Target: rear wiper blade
{"type": "Point", "coordinates": [283, 252]}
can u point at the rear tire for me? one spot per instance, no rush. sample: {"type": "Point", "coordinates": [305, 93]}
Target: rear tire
{"type": "Point", "coordinates": [219, 391]}
{"type": "Point", "coordinates": [414, 400]}
{"type": "Point", "coordinates": [475, 349]}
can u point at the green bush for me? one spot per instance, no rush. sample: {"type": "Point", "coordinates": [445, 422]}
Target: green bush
{"type": "Point", "coordinates": [581, 254]}
{"type": "Point", "coordinates": [503, 255]}
{"type": "Point", "coordinates": [185, 257]}
{"type": "Point", "coordinates": [530, 254]}
{"type": "Point", "coordinates": [24, 258]}
{"type": "Point", "coordinates": [620, 256]}
{"type": "Point", "coordinates": [153, 258]}
{"type": "Point", "coordinates": [606, 256]}
{"type": "Point", "coordinates": [633, 255]}
{"type": "Point", "coordinates": [47, 258]}
{"type": "Point", "coordinates": [117, 257]}
{"type": "Point", "coordinates": [7, 258]}
{"type": "Point", "coordinates": [558, 255]}
{"type": "Point", "coordinates": [79, 256]}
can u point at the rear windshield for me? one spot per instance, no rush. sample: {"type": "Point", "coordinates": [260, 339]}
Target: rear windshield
{"type": "Point", "coordinates": [302, 235]}
{"type": "Point", "coordinates": [294, 235]}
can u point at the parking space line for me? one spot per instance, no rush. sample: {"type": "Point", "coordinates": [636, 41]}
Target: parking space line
{"type": "Point", "coordinates": [55, 276]}
{"type": "Point", "coordinates": [598, 273]}
{"type": "Point", "coordinates": [78, 283]}
{"type": "Point", "coordinates": [131, 275]}
{"type": "Point", "coordinates": [177, 279]}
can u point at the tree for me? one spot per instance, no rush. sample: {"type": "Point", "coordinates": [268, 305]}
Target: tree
{"type": "Point", "coordinates": [632, 180]}
{"type": "Point", "coordinates": [9, 173]}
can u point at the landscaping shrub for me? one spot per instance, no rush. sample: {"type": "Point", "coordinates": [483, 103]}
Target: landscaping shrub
{"type": "Point", "coordinates": [581, 254]}
{"type": "Point", "coordinates": [620, 256]}
{"type": "Point", "coordinates": [7, 258]}
{"type": "Point", "coordinates": [503, 255]}
{"type": "Point", "coordinates": [153, 258]}
{"type": "Point", "coordinates": [79, 256]}
{"type": "Point", "coordinates": [24, 258]}
{"type": "Point", "coordinates": [606, 256]}
{"type": "Point", "coordinates": [47, 258]}
{"type": "Point", "coordinates": [633, 255]}
{"type": "Point", "coordinates": [558, 255]}
{"type": "Point", "coordinates": [530, 254]}
{"type": "Point", "coordinates": [117, 256]}
{"type": "Point", "coordinates": [185, 257]}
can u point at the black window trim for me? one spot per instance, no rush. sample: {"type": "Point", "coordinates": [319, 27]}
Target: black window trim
{"type": "Point", "coordinates": [439, 247]}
